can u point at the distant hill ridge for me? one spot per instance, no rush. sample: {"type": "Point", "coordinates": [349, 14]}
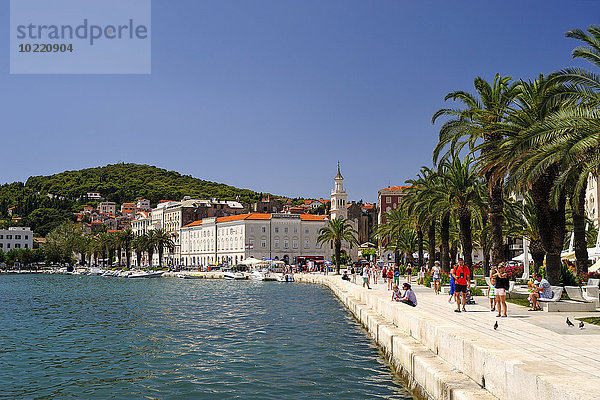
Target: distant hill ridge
{"type": "Point", "coordinates": [127, 182]}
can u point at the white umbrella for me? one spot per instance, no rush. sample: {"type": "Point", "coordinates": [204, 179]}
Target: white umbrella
{"type": "Point", "coordinates": [251, 261]}
{"type": "Point", "coordinates": [521, 257]}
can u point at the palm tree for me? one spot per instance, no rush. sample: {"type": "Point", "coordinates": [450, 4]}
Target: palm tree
{"type": "Point", "coordinates": [419, 200]}
{"type": "Point", "coordinates": [162, 240]}
{"type": "Point", "coordinates": [523, 154]}
{"type": "Point", "coordinates": [336, 231]}
{"type": "Point", "coordinates": [471, 125]}
{"type": "Point", "coordinates": [140, 246]}
{"type": "Point", "coordinates": [388, 232]}
{"type": "Point", "coordinates": [461, 192]}
{"type": "Point", "coordinates": [125, 240]}
{"type": "Point", "coordinates": [522, 221]}
{"type": "Point", "coordinates": [150, 245]}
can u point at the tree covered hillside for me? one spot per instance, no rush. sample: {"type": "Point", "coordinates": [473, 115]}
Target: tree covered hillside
{"type": "Point", "coordinates": [119, 183]}
{"type": "Point", "coordinates": [128, 182]}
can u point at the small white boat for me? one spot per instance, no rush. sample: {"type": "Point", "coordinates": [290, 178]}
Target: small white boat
{"type": "Point", "coordinates": [233, 275]}
{"type": "Point", "coordinates": [262, 275]}
{"type": "Point", "coordinates": [144, 274]}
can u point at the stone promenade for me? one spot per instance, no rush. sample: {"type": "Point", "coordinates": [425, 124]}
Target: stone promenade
{"type": "Point", "coordinates": [532, 355]}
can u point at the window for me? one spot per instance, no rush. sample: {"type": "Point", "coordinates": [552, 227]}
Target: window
{"type": "Point", "coordinates": [251, 243]}
{"type": "Point", "coordinates": [263, 243]}
{"type": "Point", "coordinates": [251, 229]}
{"type": "Point", "coordinates": [388, 199]}
{"type": "Point", "coordinates": [9, 236]}
{"type": "Point", "coordinates": [295, 244]}
{"type": "Point", "coordinates": [285, 229]}
{"type": "Point", "coordinates": [17, 246]}
{"type": "Point", "coordinates": [8, 245]}
{"type": "Point", "coordinates": [295, 229]}
{"type": "Point", "coordinates": [263, 229]}
{"type": "Point", "coordinates": [306, 244]}
{"type": "Point", "coordinates": [1, 245]}
{"type": "Point", "coordinates": [1, 236]}
{"type": "Point", "coordinates": [286, 244]}
{"type": "Point", "coordinates": [305, 230]}
{"type": "Point", "coordinates": [17, 236]}
{"type": "Point", "coordinates": [276, 230]}
{"type": "Point", "coordinates": [276, 243]}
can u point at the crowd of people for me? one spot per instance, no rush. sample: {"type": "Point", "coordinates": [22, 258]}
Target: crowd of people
{"type": "Point", "coordinates": [460, 279]}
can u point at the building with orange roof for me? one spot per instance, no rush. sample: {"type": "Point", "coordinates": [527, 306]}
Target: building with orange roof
{"type": "Point", "coordinates": [230, 240]}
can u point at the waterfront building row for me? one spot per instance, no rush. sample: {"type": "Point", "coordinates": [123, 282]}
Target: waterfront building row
{"type": "Point", "coordinates": [230, 240]}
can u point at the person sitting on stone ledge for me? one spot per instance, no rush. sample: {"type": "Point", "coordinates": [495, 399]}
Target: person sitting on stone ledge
{"type": "Point", "coordinates": [409, 296]}
{"type": "Point", "coordinates": [345, 276]}
{"type": "Point", "coordinates": [396, 294]}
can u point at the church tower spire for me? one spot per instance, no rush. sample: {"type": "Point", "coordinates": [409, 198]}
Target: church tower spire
{"type": "Point", "coordinates": [338, 197]}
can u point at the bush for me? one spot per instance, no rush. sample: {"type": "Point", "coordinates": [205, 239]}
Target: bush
{"type": "Point", "coordinates": [476, 291]}
{"type": "Point", "coordinates": [568, 277]}
{"type": "Point", "coordinates": [478, 271]}
{"type": "Point", "coordinates": [514, 272]}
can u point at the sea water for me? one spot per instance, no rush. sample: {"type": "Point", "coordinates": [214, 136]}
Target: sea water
{"type": "Point", "coordinates": [87, 337]}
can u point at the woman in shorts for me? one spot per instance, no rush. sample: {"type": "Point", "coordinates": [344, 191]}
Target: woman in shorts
{"type": "Point", "coordinates": [501, 286]}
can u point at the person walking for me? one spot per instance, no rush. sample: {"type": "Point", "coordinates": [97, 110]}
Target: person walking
{"type": "Point", "coordinates": [452, 288]}
{"type": "Point", "coordinates": [365, 276]}
{"type": "Point", "coordinates": [390, 277]}
{"type": "Point", "coordinates": [492, 294]}
{"type": "Point", "coordinates": [501, 286]}
{"type": "Point", "coordinates": [408, 273]}
{"type": "Point", "coordinates": [421, 276]}
{"type": "Point", "coordinates": [396, 275]}
{"type": "Point", "coordinates": [435, 271]}
{"type": "Point", "coordinates": [461, 275]}
{"type": "Point", "coordinates": [353, 271]}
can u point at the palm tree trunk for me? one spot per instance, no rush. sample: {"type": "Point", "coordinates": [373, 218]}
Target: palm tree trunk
{"type": "Point", "coordinates": [495, 204]}
{"type": "Point", "coordinates": [580, 240]}
{"type": "Point", "coordinates": [484, 245]}
{"type": "Point", "coordinates": [551, 222]}
{"type": "Point", "coordinates": [128, 256]}
{"type": "Point", "coordinates": [453, 254]}
{"type": "Point", "coordinates": [420, 244]}
{"type": "Point", "coordinates": [397, 257]}
{"type": "Point", "coordinates": [464, 223]}
{"type": "Point", "coordinates": [537, 253]}
{"type": "Point", "coordinates": [431, 244]}
{"type": "Point", "coordinates": [445, 237]}
{"type": "Point", "coordinates": [160, 256]}
{"type": "Point", "coordinates": [338, 252]}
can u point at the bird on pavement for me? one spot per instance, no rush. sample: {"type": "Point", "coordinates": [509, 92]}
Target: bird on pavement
{"type": "Point", "coordinates": [581, 325]}
{"type": "Point", "coordinates": [569, 322]}
{"type": "Point", "coordinates": [496, 325]}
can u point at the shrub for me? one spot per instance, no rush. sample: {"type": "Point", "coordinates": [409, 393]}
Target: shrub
{"type": "Point", "coordinates": [478, 271]}
{"type": "Point", "coordinates": [514, 272]}
{"type": "Point", "coordinates": [476, 291]}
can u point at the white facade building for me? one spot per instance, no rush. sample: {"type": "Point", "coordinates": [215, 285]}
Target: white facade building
{"type": "Point", "coordinates": [229, 240]}
{"type": "Point", "coordinates": [16, 238]}
{"type": "Point", "coordinates": [108, 207]}
{"type": "Point", "coordinates": [592, 195]}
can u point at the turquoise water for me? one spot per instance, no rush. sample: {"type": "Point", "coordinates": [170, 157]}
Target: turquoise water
{"type": "Point", "coordinates": [97, 338]}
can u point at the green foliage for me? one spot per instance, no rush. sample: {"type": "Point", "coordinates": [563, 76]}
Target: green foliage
{"type": "Point", "coordinates": [476, 291]}
{"type": "Point", "coordinates": [127, 182]}
{"type": "Point", "coordinates": [367, 253]}
{"type": "Point", "coordinates": [44, 220]}
{"type": "Point", "coordinates": [345, 258]}
{"type": "Point", "coordinates": [478, 271]}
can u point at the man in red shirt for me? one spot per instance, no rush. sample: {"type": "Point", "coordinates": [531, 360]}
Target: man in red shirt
{"type": "Point", "coordinates": [461, 283]}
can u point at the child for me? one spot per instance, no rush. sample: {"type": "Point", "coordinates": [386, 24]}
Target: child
{"type": "Point", "coordinates": [492, 294]}
{"type": "Point", "coordinates": [421, 276]}
{"type": "Point", "coordinates": [396, 295]}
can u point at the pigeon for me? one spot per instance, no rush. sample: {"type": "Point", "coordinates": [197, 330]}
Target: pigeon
{"type": "Point", "coordinates": [581, 325]}
{"type": "Point", "coordinates": [496, 325]}
{"type": "Point", "coordinates": [569, 322]}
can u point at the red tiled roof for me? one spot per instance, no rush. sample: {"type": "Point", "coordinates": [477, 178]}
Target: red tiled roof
{"type": "Point", "coordinates": [195, 223]}
{"type": "Point", "coordinates": [310, 217]}
{"type": "Point", "coordinates": [396, 188]}
{"type": "Point", "coordinates": [96, 222]}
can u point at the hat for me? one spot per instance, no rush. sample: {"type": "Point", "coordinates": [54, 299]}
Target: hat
{"type": "Point", "coordinates": [437, 262]}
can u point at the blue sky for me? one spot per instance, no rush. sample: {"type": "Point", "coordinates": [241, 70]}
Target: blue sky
{"type": "Point", "coordinates": [269, 95]}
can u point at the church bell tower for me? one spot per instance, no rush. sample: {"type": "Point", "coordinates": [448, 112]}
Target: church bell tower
{"type": "Point", "coordinates": [338, 197]}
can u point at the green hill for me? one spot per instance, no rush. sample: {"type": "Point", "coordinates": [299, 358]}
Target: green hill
{"type": "Point", "coordinates": [117, 182]}
{"type": "Point", "coordinates": [128, 182]}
